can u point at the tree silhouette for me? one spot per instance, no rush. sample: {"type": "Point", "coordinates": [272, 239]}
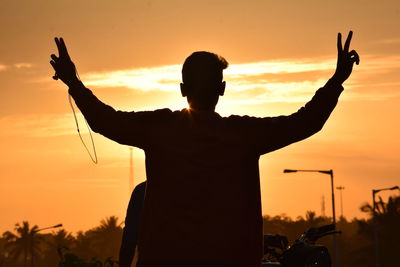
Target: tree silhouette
{"type": "Point", "coordinates": [387, 221]}
{"type": "Point", "coordinates": [312, 220]}
{"type": "Point", "coordinates": [62, 238]}
{"type": "Point", "coordinates": [54, 247]}
{"type": "Point", "coordinates": [96, 247]}
{"type": "Point", "coordinates": [107, 237]}
{"type": "Point", "coordinates": [100, 242]}
{"type": "Point", "coordinates": [84, 247]}
{"type": "Point", "coordinates": [24, 244]}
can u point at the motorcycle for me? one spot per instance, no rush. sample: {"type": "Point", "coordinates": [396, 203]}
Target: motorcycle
{"type": "Point", "coordinates": [303, 253]}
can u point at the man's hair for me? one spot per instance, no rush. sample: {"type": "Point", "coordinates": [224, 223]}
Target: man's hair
{"type": "Point", "coordinates": [202, 63]}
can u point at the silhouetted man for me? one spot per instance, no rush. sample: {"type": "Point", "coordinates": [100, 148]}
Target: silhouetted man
{"type": "Point", "coordinates": [130, 233]}
{"type": "Point", "coordinates": [203, 205]}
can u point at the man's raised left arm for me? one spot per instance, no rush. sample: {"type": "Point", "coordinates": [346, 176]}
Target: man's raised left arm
{"type": "Point", "coordinates": [277, 132]}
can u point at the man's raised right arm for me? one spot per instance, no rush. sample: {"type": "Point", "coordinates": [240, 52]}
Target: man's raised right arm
{"type": "Point", "coordinates": [104, 119]}
{"type": "Point", "coordinates": [123, 127]}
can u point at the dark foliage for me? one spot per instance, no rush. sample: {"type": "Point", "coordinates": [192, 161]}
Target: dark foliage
{"type": "Point", "coordinates": [99, 246]}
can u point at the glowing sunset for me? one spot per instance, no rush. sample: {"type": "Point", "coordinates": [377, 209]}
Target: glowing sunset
{"type": "Point", "coordinates": [130, 54]}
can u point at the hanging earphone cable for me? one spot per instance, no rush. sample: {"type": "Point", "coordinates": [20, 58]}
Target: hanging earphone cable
{"type": "Point", "coordinates": [94, 156]}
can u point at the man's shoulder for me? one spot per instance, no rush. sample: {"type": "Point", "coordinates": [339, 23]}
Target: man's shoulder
{"type": "Point", "coordinates": [154, 113]}
{"type": "Point", "coordinates": [159, 111]}
{"type": "Point", "coordinates": [167, 111]}
{"type": "Point", "coordinates": [161, 116]}
{"type": "Point", "coordinates": [243, 118]}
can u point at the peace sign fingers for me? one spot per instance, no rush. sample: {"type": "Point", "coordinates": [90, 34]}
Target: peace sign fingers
{"type": "Point", "coordinates": [339, 43]}
{"type": "Point", "coordinates": [62, 48]}
{"type": "Point", "coordinates": [346, 59]}
{"type": "Point", "coordinates": [347, 43]}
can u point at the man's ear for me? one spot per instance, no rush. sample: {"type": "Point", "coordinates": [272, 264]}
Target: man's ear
{"type": "Point", "coordinates": [183, 90]}
{"type": "Point", "coordinates": [222, 88]}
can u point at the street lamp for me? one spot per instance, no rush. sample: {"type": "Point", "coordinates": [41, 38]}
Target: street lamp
{"type": "Point", "coordinates": [376, 239]}
{"type": "Point", "coordinates": [330, 172]}
{"type": "Point", "coordinates": [38, 230]}
{"type": "Point", "coordinates": [49, 227]}
{"type": "Point", "coordinates": [375, 191]}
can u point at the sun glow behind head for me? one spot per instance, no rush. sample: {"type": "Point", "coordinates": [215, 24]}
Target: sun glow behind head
{"type": "Point", "coordinates": [267, 76]}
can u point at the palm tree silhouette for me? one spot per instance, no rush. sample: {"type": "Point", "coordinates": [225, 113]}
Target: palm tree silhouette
{"type": "Point", "coordinates": [312, 220]}
{"type": "Point", "coordinates": [382, 209]}
{"type": "Point", "coordinates": [387, 221]}
{"type": "Point", "coordinates": [25, 243]}
{"type": "Point", "coordinates": [57, 243]}
{"type": "Point", "coordinates": [107, 236]}
{"type": "Point", "coordinates": [62, 238]}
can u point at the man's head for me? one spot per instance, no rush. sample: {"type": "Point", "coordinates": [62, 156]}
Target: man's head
{"type": "Point", "coordinates": [202, 80]}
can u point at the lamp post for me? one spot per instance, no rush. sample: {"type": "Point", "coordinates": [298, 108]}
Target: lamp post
{"type": "Point", "coordinates": [376, 238]}
{"type": "Point", "coordinates": [330, 172]}
{"type": "Point", "coordinates": [375, 191]}
{"type": "Point", "coordinates": [49, 227]}
{"type": "Point", "coordinates": [38, 230]}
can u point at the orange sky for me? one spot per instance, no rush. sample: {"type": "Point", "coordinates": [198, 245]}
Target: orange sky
{"type": "Point", "coordinates": [129, 53]}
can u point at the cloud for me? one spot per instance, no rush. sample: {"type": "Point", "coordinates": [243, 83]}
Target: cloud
{"type": "Point", "coordinates": [391, 41]}
{"type": "Point", "coordinates": [146, 79]}
{"type": "Point", "coordinates": [16, 65]}
{"type": "Point", "coordinates": [23, 65]}
{"type": "Point", "coordinates": [41, 125]}
{"type": "Point", "coordinates": [268, 81]}
{"type": "Point", "coordinates": [378, 63]}
{"type": "Point", "coordinates": [261, 81]}
{"type": "Point", "coordinates": [275, 92]}
{"type": "Point", "coordinates": [166, 78]}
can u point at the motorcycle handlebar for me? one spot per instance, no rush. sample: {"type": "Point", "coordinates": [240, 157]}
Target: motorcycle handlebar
{"type": "Point", "coordinates": [330, 233]}
{"type": "Point", "coordinates": [313, 234]}
{"type": "Point", "coordinates": [326, 228]}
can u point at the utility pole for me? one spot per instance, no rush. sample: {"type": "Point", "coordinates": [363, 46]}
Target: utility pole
{"type": "Point", "coordinates": [341, 188]}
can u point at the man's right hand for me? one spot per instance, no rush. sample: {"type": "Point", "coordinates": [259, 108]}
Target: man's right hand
{"type": "Point", "coordinates": [63, 65]}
